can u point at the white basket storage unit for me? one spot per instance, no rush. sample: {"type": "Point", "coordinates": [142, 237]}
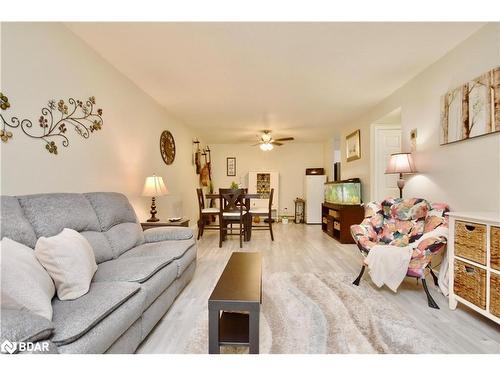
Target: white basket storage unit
{"type": "Point", "coordinates": [261, 182]}
{"type": "Point", "coordinates": [474, 267]}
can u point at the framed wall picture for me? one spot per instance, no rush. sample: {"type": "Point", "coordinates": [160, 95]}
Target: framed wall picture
{"type": "Point", "coordinates": [353, 146]}
{"type": "Point", "coordinates": [472, 109]}
{"type": "Point", "coordinates": [231, 166]}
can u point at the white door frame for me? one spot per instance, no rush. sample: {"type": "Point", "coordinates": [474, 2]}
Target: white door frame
{"type": "Point", "coordinates": [373, 176]}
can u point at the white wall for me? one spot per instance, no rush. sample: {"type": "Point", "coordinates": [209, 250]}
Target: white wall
{"type": "Point", "coordinates": [465, 174]}
{"type": "Point", "coordinates": [290, 160]}
{"type": "Point", "coordinates": [42, 61]}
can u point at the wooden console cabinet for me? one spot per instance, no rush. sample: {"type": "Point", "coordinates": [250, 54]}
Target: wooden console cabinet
{"type": "Point", "coordinates": [336, 220]}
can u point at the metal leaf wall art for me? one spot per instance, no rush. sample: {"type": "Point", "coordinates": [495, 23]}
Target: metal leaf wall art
{"type": "Point", "coordinates": [55, 120]}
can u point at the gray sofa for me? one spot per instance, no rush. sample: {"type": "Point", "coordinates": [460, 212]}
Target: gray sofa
{"type": "Point", "coordinates": [139, 273]}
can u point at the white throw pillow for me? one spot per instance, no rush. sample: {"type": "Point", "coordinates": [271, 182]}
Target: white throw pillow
{"type": "Point", "coordinates": [26, 285]}
{"type": "Point", "coordinates": [69, 260]}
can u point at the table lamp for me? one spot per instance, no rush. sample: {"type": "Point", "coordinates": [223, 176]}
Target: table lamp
{"type": "Point", "coordinates": [154, 187]}
{"type": "Point", "coordinates": [401, 162]}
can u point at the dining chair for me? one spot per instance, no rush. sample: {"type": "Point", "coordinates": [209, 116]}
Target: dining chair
{"type": "Point", "coordinates": [264, 212]}
{"type": "Point", "coordinates": [233, 210]}
{"type": "Point", "coordinates": [206, 214]}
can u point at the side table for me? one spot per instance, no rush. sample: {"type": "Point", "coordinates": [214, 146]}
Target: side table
{"type": "Point", "coordinates": [181, 223]}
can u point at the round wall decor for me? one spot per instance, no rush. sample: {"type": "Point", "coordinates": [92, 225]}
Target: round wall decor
{"type": "Point", "coordinates": [167, 147]}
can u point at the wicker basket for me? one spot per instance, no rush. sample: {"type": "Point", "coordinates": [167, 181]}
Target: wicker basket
{"type": "Point", "coordinates": [470, 283]}
{"type": "Point", "coordinates": [495, 294]}
{"type": "Point", "coordinates": [495, 248]}
{"type": "Point", "coordinates": [470, 241]}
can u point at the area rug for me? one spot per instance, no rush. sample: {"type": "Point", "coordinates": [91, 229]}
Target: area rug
{"type": "Point", "coordinates": [325, 313]}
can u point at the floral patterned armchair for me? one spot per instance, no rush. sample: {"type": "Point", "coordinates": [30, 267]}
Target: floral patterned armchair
{"type": "Point", "coordinates": [399, 222]}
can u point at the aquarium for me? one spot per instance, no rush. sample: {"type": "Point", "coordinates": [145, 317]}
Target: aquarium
{"type": "Point", "coordinates": [343, 192]}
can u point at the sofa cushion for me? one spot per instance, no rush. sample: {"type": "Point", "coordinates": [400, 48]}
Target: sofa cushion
{"type": "Point", "coordinates": [169, 249]}
{"type": "Point", "coordinates": [133, 269]}
{"type": "Point", "coordinates": [13, 223]}
{"type": "Point", "coordinates": [167, 233]}
{"type": "Point", "coordinates": [129, 341]}
{"type": "Point", "coordinates": [123, 237]}
{"type": "Point", "coordinates": [100, 245]}
{"type": "Point", "coordinates": [73, 319]}
{"type": "Point", "coordinates": [49, 214]}
{"type": "Point", "coordinates": [26, 285]}
{"type": "Point", "coordinates": [111, 209]}
{"type": "Point", "coordinates": [156, 284]}
{"type": "Point", "coordinates": [108, 330]}
{"type": "Point", "coordinates": [69, 260]}
{"type": "Point", "coordinates": [24, 326]}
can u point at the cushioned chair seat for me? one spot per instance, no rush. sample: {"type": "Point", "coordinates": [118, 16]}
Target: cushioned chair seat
{"type": "Point", "coordinates": [73, 319]}
{"type": "Point", "coordinates": [232, 214]}
{"type": "Point", "coordinates": [210, 210]}
{"type": "Point", "coordinates": [133, 269]}
{"type": "Point", "coordinates": [168, 249]}
{"type": "Point", "coordinates": [259, 211]}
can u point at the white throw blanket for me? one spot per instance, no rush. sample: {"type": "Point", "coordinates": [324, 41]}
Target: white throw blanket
{"type": "Point", "coordinates": [388, 264]}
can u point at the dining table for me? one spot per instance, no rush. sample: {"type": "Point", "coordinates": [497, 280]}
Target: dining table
{"type": "Point", "coordinates": [248, 222]}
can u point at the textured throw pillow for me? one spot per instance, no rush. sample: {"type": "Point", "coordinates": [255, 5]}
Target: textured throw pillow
{"type": "Point", "coordinates": [69, 260]}
{"type": "Point", "coordinates": [26, 285]}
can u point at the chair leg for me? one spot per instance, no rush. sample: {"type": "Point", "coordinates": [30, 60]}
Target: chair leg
{"type": "Point", "coordinates": [271, 227]}
{"type": "Point", "coordinates": [434, 277]}
{"type": "Point", "coordinates": [221, 232]}
{"type": "Point", "coordinates": [430, 300]}
{"type": "Point", "coordinates": [358, 279]}
{"type": "Point", "coordinates": [242, 230]}
{"type": "Point", "coordinates": [199, 229]}
{"type": "Point", "coordinates": [202, 228]}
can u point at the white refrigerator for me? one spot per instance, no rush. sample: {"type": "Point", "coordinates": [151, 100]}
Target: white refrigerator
{"type": "Point", "coordinates": [314, 193]}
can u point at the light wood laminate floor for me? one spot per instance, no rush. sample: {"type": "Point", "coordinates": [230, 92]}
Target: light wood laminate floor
{"type": "Point", "coordinates": [304, 248]}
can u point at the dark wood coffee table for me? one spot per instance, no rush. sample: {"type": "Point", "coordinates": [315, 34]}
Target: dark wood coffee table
{"type": "Point", "coordinates": [234, 306]}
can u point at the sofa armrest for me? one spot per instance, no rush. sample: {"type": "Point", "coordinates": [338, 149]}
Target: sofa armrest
{"type": "Point", "coordinates": [167, 234]}
{"type": "Point", "coordinates": [24, 326]}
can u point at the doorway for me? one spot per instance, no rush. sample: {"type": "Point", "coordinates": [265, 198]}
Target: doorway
{"type": "Point", "coordinates": [385, 140]}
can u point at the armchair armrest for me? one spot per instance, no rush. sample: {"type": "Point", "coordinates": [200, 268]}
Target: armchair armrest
{"type": "Point", "coordinates": [167, 234]}
{"type": "Point", "coordinates": [429, 245]}
{"type": "Point", "coordinates": [364, 236]}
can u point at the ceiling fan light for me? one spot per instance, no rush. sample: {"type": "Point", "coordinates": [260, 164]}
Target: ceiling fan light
{"type": "Point", "coordinates": [266, 137]}
{"type": "Point", "coordinates": [266, 147]}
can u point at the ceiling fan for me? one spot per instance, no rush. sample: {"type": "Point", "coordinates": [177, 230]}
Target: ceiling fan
{"type": "Point", "coordinates": [267, 143]}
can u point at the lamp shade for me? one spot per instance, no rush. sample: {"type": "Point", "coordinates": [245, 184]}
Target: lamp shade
{"type": "Point", "coordinates": [401, 163]}
{"type": "Point", "coordinates": [154, 187]}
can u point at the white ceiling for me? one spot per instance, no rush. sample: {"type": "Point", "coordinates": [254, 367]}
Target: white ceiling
{"type": "Point", "coordinates": [307, 80]}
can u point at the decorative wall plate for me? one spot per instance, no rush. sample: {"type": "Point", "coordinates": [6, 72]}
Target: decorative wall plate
{"type": "Point", "coordinates": [167, 147]}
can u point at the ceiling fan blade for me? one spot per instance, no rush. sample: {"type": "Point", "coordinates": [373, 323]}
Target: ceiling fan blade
{"type": "Point", "coordinates": [284, 139]}
{"type": "Point", "coordinates": [277, 143]}
{"type": "Point", "coordinates": [257, 144]}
